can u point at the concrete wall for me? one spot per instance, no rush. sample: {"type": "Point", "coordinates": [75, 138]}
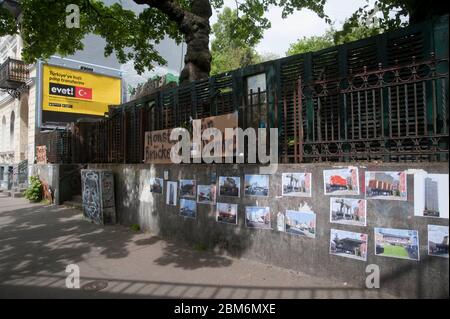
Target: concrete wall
{"type": "Point", "coordinates": [63, 179]}
{"type": "Point", "coordinates": [406, 278]}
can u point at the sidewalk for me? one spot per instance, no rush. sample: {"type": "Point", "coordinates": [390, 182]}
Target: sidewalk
{"type": "Point", "coordinates": [37, 242]}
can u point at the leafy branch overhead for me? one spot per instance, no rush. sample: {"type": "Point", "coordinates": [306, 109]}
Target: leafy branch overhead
{"type": "Point", "coordinates": [134, 36]}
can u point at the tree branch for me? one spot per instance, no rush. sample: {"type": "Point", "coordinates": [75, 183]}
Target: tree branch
{"type": "Point", "coordinates": [169, 7]}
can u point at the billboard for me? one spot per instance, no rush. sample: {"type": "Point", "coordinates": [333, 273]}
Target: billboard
{"type": "Point", "coordinates": [72, 91]}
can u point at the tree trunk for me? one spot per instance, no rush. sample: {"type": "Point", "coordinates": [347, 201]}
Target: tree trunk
{"type": "Point", "coordinates": [196, 30]}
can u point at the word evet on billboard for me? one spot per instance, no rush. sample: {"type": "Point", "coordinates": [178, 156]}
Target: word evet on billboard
{"type": "Point", "coordinates": [72, 91]}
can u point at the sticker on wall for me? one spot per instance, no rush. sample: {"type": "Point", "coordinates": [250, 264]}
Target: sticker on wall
{"type": "Point", "coordinates": [229, 186]}
{"type": "Point", "coordinates": [386, 185]}
{"type": "Point", "coordinates": [187, 188]}
{"type": "Point", "coordinates": [206, 194]}
{"type": "Point", "coordinates": [296, 184]}
{"type": "Point", "coordinates": [256, 185]}
{"type": "Point", "coordinates": [341, 181]}
{"type": "Point", "coordinates": [438, 241]}
{"type": "Point", "coordinates": [226, 213]}
{"type": "Point", "coordinates": [156, 185]}
{"type": "Point", "coordinates": [348, 211]}
{"type": "Point", "coordinates": [257, 217]}
{"type": "Point", "coordinates": [348, 244]}
{"type": "Point", "coordinates": [171, 193]}
{"type": "Point", "coordinates": [280, 222]}
{"type": "Point", "coordinates": [431, 195]}
{"type": "Point", "coordinates": [397, 243]}
{"type": "Point", "coordinates": [188, 208]}
{"type": "Point", "coordinates": [302, 223]}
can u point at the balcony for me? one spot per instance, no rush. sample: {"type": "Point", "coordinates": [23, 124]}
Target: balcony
{"type": "Point", "coordinates": [13, 74]}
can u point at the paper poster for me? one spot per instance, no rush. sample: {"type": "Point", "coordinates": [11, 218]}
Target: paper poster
{"type": "Point", "coordinates": [156, 185]}
{"type": "Point", "coordinates": [206, 194]}
{"type": "Point", "coordinates": [257, 217]}
{"type": "Point", "coordinates": [438, 241]}
{"type": "Point", "coordinates": [296, 184]}
{"type": "Point", "coordinates": [397, 243]}
{"type": "Point", "coordinates": [256, 185]}
{"type": "Point", "coordinates": [188, 208]}
{"type": "Point", "coordinates": [171, 193]}
{"type": "Point", "coordinates": [348, 211]}
{"type": "Point", "coordinates": [341, 181]}
{"type": "Point", "coordinates": [226, 213]}
{"type": "Point", "coordinates": [431, 195]}
{"type": "Point", "coordinates": [229, 186]}
{"type": "Point", "coordinates": [348, 244]}
{"type": "Point", "coordinates": [386, 185]}
{"type": "Point", "coordinates": [302, 223]}
{"type": "Point", "coordinates": [188, 188]}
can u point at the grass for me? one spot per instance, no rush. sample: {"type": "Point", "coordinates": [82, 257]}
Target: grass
{"type": "Point", "coordinates": [396, 251]}
{"type": "Point", "coordinates": [135, 227]}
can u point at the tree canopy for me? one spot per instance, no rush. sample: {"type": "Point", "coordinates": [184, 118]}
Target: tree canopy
{"type": "Point", "coordinates": [133, 36]}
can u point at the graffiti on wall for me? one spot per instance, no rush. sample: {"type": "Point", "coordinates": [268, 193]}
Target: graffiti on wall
{"type": "Point", "coordinates": [90, 181]}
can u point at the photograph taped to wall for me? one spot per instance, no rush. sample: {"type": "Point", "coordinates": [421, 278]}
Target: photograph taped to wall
{"type": "Point", "coordinates": [257, 217]}
{"type": "Point", "coordinates": [188, 208]}
{"type": "Point", "coordinates": [230, 186]}
{"type": "Point", "coordinates": [438, 241]}
{"type": "Point", "coordinates": [348, 244]}
{"type": "Point", "coordinates": [156, 185]}
{"type": "Point", "coordinates": [256, 185]}
{"type": "Point", "coordinates": [206, 194]}
{"type": "Point", "coordinates": [301, 223]}
{"type": "Point", "coordinates": [341, 181]}
{"type": "Point", "coordinates": [397, 243]}
{"type": "Point", "coordinates": [348, 211]}
{"type": "Point", "coordinates": [188, 188]}
{"type": "Point", "coordinates": [431, 195]}
{"type": "Point", "coordinates": [226, 213]}
{"type": "Point", "coordinates": [296, 184]}
{"type": "Point", "coordinates": [281, 222]}
{"type": "Point", "coordinates": [386, 185]}
{"type": "Point", "coordinates": [171, 193]}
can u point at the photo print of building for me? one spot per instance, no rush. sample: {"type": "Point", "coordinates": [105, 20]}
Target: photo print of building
{"type": "Point", "coordinates": [296, 184]}
{"type": "Point", "coordinates": [397, 243]}
{"type": "Point", "coordinates": [226, 213]}
{"type": "Point", "coordinates": [171, 193]}
{"type": "Point", "coordinates": [206, 194]}
{"type": "Point", "coordinates": [386, 185]}
{"type": "Point", "coordinates": [348, 244]}
{"type": "Point", "coordinates": [188, 208]}
{"type": "Point", "coordinates": [348, 211]}
{"type": "Point", "coordinates": [230, 186]}
{"type": "Point", "coordinates": [256, 185]}
{"type": "Point", "coordinates": [342, 181]}
{"type": "Point", "coordinates": [257, 217]}
{"type": "Point", "coordinates": [431, 195]}
{"type": "Point", "coordinates": [188, 188]}
{"type": "Point", "coordinates": [302, 223]}
{"type": "Point", "coordinates": [438, 241]}
{"type": "Point", "coordinates": [156, 185]}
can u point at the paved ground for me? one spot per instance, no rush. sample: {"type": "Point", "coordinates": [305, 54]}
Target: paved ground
{"type": "Point", "coordinates": [37, 242]}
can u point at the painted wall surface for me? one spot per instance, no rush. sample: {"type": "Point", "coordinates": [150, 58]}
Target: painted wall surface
{"type": "Point", "coordinates": [406, 278]}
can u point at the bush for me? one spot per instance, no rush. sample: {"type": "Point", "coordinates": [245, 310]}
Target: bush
{"type": "Point", "coordinates": [34, 190]}
{"type": "Point", "coordinates": [135, 227]}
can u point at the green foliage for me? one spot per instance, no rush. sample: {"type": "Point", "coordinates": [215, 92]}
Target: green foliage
{"type": "Point", "coordinates": [232, 48]}
{"type": "Point", "coordinates": [34, 190]}
{"type": "Point", "coordinates": [135, 227]}
{"type": "Point", "coordinates": [331, 38]}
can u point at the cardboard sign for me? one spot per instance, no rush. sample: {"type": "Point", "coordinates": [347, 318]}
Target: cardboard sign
{"type": "Point", "coordinates": [157, 147]}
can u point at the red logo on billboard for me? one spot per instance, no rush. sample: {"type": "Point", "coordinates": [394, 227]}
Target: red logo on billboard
{"type": "Point", "coordinates": [83, 93]}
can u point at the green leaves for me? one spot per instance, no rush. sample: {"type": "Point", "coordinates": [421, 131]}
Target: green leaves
{"type": "Point", "coordinates": [34, 190]}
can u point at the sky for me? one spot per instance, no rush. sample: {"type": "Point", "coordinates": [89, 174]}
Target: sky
{"type": "Point", "coordinates": [301, 23]}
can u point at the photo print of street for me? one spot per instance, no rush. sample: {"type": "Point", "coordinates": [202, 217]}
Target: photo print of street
{"type": "Point", "coordinates": [296, 184]}
{"type": "Point", "coordinates": [256, 185]}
